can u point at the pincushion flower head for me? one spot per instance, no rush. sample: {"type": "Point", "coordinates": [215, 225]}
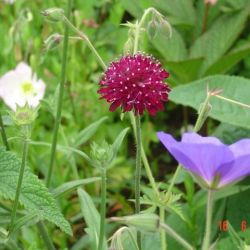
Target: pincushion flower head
{"type": "Point", "coordinates": [20, 87]}
{"type": "Point", "coordinates": [135, 82]}
{"type": "Point", "coordinates": [213, 162]}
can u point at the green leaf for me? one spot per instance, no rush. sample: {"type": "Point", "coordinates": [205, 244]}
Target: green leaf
{"type": "Point", "coordinates": [91, 217]}
{"type": "Point", "coordinates": [68, 186]}
{"type": "Point", "coordinates": [173, 48]}
{"type": "Point", "coordinates": [228, 61]}
{"type": "Point", "coordinates": [179, 12]}
{"type": "Point", "coordinates": [34, 196]}
{"type": "Point", "coordinates": [118, 141]}
{"type": "Point", "coordinates": [88, 132]}
{"type": "Point", "coordinates": [219, 38]}
{"type": "Point", "coordinates": [187, 70]}
{"type": "Point", "coordinates": [236, 88]}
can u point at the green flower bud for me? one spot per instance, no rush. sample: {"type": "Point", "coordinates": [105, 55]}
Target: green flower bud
{"type": "Point", "coordinates": [144, 222]}
{"type": "Point", "coordinates": [102, 154]}
{"type": "Point", "coordinates": [152, 29]}
{"type": "Point", "coordinates": [165, 28]}
{"type": "Point", "coordinates": [53, 14]}
{"type": "Point", "coordinates": [129, 46]}
{"type": "Point", "coordinates": [24, 115]}
{"type": "Point", "coordinates": [52, 42]}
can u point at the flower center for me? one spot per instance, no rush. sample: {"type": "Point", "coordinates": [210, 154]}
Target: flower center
{"type": "Point", "coordinates": [27, 88]}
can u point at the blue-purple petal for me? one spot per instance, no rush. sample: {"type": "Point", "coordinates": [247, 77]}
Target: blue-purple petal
{"type": "Point", "coordinates": [203, 159]}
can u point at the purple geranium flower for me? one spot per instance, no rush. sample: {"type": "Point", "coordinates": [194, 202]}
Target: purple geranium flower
{"type": "Point", "coordinates": [209, 159]}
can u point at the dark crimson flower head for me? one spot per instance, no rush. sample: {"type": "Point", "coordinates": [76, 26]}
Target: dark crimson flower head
{"type": "Point", "coordinates": [135, 82]}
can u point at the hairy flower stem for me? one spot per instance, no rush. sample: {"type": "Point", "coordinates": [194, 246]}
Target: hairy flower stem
{"type": "Point", "coordinates": [138, 27]}
{"type": "Point", "coordinates": [3, 134]}
{"type": "Point", "coordinates": [138, 171]}
{"type": "Point", "coordinates": [85, 39]}
{"type": "Point", "coordinates": [20, 180]}
{"type": "Point", "coordinates": [206, 240]}
{"type": "Point", "coordinates": [60, 98]}
{"type": "Point", "coordinates": [199, 122]}
{"type": "Point", "coordinates": [176, 236]}
{"type": "Point", "coordinates": [103, 209]}
{"type": "Point", "coordinates": [45, 236]}
{"type": "Point", "coordinates": [162, 231]}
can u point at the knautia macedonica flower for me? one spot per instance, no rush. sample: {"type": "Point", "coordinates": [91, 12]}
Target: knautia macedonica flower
{"type": "Point", "coordinates": [135, 82]}
{"type": "Point", "coordinates": [213, 162]}
{"type": "Point", "coordinates": [21, 87]}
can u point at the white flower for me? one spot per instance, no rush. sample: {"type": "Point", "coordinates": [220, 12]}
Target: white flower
{"type": "Point", "coordinates": [20, 87]}
{"type": "Point", "coordinates": [9, 1]}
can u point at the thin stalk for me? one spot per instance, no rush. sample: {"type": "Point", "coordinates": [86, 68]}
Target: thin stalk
{"type": "Point", "coordinates": [60, 98]}
{"type": "Point", "coordinates": [45, 236]}
{"type": "Point", "coordinates": [86, 39]}
{"type": "Point", "coordinates": [176, 236]}
{"type": "Point", "coordinates": [206, 240]}
{"type": "Point", "coordinates": [205, 19]}
{"type": "Point", "coordinates": [19, 184]}
{"type": "Point", "coordinates": [233, 101]}
{"type": "Point", "coordinates": [139, 26]}
{"type": "Point", "coordinates": [103, 210]}
{"type": "Point", "coordinates": [138, 171]}
{"type": "Point", "coordinates": [3, 134]}
{"type": "Point", "coordinates": [162, 231]}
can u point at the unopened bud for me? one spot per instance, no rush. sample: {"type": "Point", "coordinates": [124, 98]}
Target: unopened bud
{"type": "Point", "coordinates": [53, 14]}
{"type": "Point", "coordinates": [165, 28]}
{"type": "Point", "coordinates": [152, 29]}
{"type": "Point", "coordinates": [52, 42]}
{"type": "Point", "coordinates": [144, 222]}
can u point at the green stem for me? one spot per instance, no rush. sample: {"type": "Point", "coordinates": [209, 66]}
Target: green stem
{"type": "Point", "coordinates": [86, 39]}
{"type": "Point", "coordinates": [139, 26]}
{"type": "Point", "coordinates": [206, 241]}
{"type": "Point", "coordinates": [138, 171]}
{"type": "Point", "coordinates": [60, 98]}
{"type": "Point", "coordinates": [162, 231]}
{"type": "Point", "coordinates": [103, 210]}
{"type": "Point", "coordinates": [176, 236]}
{"type": "Point", "coordinates": [19, 184]}
{"type": "Point", "coordinates": [3, 134]}
{"type": "Point", "coordinates": [45, 236]}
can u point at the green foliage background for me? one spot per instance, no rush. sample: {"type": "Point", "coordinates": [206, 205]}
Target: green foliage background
{"type": "Point", "coordinates": [194, 58]}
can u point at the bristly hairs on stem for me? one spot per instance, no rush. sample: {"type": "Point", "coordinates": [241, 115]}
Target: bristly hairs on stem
{"type": "Point", "coordinates": [60, 98]}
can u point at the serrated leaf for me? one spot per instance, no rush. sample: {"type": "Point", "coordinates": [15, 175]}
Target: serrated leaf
{"type": "Point", "coordinates": [34, 195]}
{"type": "Point", "coordinates": [68, 186]}
{"type": "Point", "coordinates": [219, 38]}
{"type": "Point", "coordinates": [87, 132]}
{"type": "Point", "coordinates": [236, 88]}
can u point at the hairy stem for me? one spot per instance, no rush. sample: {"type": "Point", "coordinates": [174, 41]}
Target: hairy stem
{"type": "Point", "coordinates": [86, 39]}
{"type": "Point", "coordinates": [206, 240]}
{"type": "Point", "coordinates": [176, 236]}
{"type": "Point", "coordinates": [45, 236]}
{"type": "Point", "coordinates": [138, 171]}
{"type": "Point", "coordinates": [19, 183]}
{"type": "Point", "coordinates": [3, 134]}
{"type": "Point", "coordinates": [103, 210]}
{"type": "Point", "coordinates": [60, 98]}
{"type": "Point", "coordinates": [162, 231]}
